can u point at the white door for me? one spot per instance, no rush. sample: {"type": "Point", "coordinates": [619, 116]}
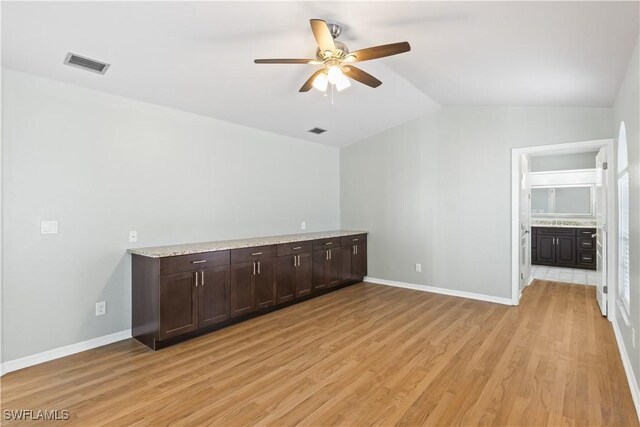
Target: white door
{"type": "Point", "coordinates": [600, 206]}
{"type": "Point", "coordinates": [525, 223]}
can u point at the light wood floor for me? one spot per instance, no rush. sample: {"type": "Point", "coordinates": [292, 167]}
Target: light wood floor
{"type": "Point", "coordinates": [368, 354]}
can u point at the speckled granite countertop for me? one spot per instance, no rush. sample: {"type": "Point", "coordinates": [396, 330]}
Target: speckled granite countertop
{"type": "Point", "coordinates": [563, 223]}
{"type": "Point", "coordinates": [196, 248]}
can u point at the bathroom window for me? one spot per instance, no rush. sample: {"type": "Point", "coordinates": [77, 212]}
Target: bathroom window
{"type": "Point", "coordinates": [623, 220]}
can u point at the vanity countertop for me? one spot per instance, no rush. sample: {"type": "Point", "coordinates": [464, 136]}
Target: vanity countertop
{"type": "Point", "coordinates": [196, 248]}
{"type": "Point", "coordinates": [563, 223]}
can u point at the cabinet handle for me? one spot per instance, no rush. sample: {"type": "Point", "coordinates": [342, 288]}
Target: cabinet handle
{"type": "Point", "coordinates": [254, 268]}
{"type": "Point", "coordinates": [356, 249]}
{"type": "Point", "coordinates": [298, 260]}
{"type": "Point", "coordinates": [199, 262]}
{"type": "Point", "coordinates": [353, 250]}
{"type": "Point", "coordinates": [354, 240]}
{"type": "Point", "coordinates": [196, 278]}
{"type": "Point", "coordinates": [202, 278]}
{"type": "Point", "coordinates": [326, 255]}
{"type": "Point", "coordinates": [296, 248]}
{"type": "Point", "coordinates": [330, 253]}
{"type": "Point", "coordinates": [594, 235]}
{"type": "Point", "coordinates": [258, 267]}
{"type": "Point", "coordinates": [256, 253]}
{"type": "Point", "coordinates": [328, 243]}
{"type": "Point", "coordinates": [295, 261]}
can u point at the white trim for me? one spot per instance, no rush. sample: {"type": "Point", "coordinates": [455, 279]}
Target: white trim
{"type": "Point", "coordinates": [529, 281]}
{"type": "Point", "coordinates": [628, 369]}
{"type": "Point", "coordinates": [565, 148]}
{"type": "Point", "coordinates": [559, 178]}
{"type": "Point", "coordinates": [436, 290]}
{"type": "Point", "coordinates": [56, 353]}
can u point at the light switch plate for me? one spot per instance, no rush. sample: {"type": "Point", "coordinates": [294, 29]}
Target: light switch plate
{"type": "Point", "coordinates": [49, 227]}
{"type": "Point", "coordinates": [418, 268]}
{"type": "Point", "coordinates": [303, 225]}
{"type": "Point", "coordinates": [133, 236]}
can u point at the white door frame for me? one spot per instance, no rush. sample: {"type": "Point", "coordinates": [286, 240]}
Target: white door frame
{"type": "Point", "coordinates": [565, 148]}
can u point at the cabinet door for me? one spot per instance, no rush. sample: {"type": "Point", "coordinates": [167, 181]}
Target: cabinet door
{"type": "Point", "coordinates": [565, 250]}
{"type": "Point", "coordinates": [359, 260]}
{"type": "Point", "coordinates": [332, 267]}
{"type": "Point", "coordinates": [213, 298]}
{"type": "Point", "coordinates": [178, 304]}
{"type": "Point", "coordinates": [265, 283]}
{"type": "Point", "coordinates": [242, 293]}
{"type": "Point", "coordinates": [346, 253]}
{"type": "Point", "coordinates": [285, 278]}
{"type": "Point", "coordinates": [303, 283]}
{"type": "Point", "coordinates": [546, 249]}
{"type": "Point", "coordinates": [320, 257]}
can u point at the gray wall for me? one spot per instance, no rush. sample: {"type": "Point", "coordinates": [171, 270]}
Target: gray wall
{"type": "Point", "coordinates": [627, 109]}
{"type": "Point", "coordinates": [437, 190]}
{"type": "Point", "coordinates": [103, 165]}
{"type": "Point", "coordinates": [561, 162]}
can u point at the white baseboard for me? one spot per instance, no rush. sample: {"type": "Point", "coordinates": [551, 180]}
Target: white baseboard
{"type": "Point", "coordinates": [56, 353]}
{"type": "Point", "coordinates": [443, 291]}
{"type": "Point", "coordinates": [628, 369]}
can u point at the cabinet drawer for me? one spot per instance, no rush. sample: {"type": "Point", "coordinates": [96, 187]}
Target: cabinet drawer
{"type": "Point", "coordinates": [350, 240]}
{"type": "Point", "coordinates": [557, 231]}
{"type": "Point", "coordinates": [326, 243]}
{"type": "Point", "coordinates": [252, 254]}
{"type": "Point", "coordinates": [203, 261]}
{"type": "Point", "coordinates": [586, 232]}
{"type": "Point", "coordinates": [586, 243]}
{"type": "Point", "coordinates": [587, 258]}
{"type": "Point", "coordinates": [294, 248]}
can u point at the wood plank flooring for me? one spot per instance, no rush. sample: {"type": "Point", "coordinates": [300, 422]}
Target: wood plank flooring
{"type": "Point", "coordinates": [367, 354]}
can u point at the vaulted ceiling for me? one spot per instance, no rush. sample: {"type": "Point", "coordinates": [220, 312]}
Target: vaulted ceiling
{"type": "Point", "coordinates": [198, 56]}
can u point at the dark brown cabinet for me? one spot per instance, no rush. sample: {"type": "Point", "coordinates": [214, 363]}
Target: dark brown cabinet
{"type": "Point", "coordinates": [178, 304]}
{"type": "Point", "coordinates": [326, 268]}
{"type": "Point", "coordinates": [253, 283]}
{"type": "Point", "coordinates": [293, 276]}
{"type": "Point", "coordinates": [563, 247]}
{"type": "Point", "coordinates": [242, 289]}
{"type": "Point", "coordinates": [176, 297]}
{"type": "Point", "coordinates": [353, 257]}
{"type": "Point", "coordinates": [213, 296]}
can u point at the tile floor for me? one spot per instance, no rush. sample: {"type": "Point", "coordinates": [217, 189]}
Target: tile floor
{"type": "Point", "coordinates": [568, 275]}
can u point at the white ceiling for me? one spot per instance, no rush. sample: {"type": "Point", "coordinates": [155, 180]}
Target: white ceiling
{"type": "Point", "coordinates": [198, 56]}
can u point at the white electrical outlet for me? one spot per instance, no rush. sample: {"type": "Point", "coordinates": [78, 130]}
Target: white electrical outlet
{"type": "Point", "coordinates": [49, 227]}
{"type": "Point", "coordinates": [303, 225]}
{"type": "Point", "coordinates": [101, 308]}
{"type": "Point", "coordinates": [418, 268]}
{"type": "Point", "coordinates": [133, 236]}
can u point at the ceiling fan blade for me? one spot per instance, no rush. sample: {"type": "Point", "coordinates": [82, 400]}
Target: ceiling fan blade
{"type": "Point", "coordinates": [323, 35]}
{"type": "Point", "coordinates": [361, 76]}
{"type": "Point", "coordinates": [381, 51]}
{"type": "Point", "coordinates": [282, 61]}
{"type": "Point", "coordinates": [309, 83]}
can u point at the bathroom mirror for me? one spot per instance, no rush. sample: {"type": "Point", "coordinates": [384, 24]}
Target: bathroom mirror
{"type": "Point", "coordinates": [562, 201]}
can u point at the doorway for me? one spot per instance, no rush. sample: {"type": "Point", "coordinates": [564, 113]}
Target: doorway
{"type": "Point", "coordinates": [575, 245]}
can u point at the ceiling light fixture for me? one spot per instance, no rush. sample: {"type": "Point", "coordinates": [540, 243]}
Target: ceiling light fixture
{"type": "Point", "coordinates": [333, 75]}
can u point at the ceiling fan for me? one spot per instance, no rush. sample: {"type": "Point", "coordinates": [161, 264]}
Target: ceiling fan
{"type": "Point", "coordinates": [337, 60]}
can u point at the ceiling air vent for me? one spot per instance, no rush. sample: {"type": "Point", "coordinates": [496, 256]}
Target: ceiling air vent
{"type": "Point", "coordinates": [86, 63]}
{"type": "Point", "coordinates": [317, 131]}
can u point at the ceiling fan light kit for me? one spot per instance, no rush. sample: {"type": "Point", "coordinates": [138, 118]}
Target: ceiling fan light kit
{"type": "Point", "coordinates": [337, 61]}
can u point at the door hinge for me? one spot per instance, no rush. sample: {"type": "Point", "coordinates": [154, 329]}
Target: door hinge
{"type": "Point", "coordinates": [605, 165]}
{"type": "Point", "coordinates": [605, 289]}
